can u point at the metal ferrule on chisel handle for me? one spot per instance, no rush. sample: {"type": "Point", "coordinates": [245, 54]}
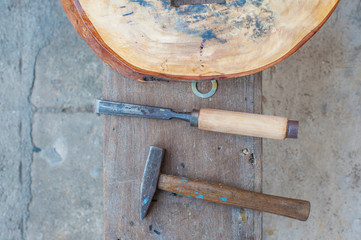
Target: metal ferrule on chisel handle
{"type": "Point", "coordinates": [194, 118]}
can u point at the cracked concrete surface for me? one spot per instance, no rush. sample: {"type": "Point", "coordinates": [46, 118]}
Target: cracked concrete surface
{"type": "Point", "coordinates": [18, 50]}
{"type": "Point", "coordinates": [67, 177]}
{"type": "Point", "coordinates": [50, 146]}
{"type": "Point", "coordinates": [321, 86]}
{"type": "Point", "coordinates": [50, 150]}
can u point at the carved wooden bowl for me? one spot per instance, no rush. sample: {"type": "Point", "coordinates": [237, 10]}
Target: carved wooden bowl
{"type": "Point", "coordinates": [151, 40]}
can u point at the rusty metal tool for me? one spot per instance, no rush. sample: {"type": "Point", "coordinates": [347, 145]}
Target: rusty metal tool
{"type": "Point", "coordinates": [239, 123]}
{"type": "Point", "coordinates": [213, 192]}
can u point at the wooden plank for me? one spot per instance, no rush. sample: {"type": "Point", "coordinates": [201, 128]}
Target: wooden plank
{"type": "Point", "coordinates": [209, 156]}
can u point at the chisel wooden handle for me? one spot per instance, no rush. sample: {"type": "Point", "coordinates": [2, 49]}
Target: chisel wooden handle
{"type": "Point", "coordinates": [227, 195]}
{"type": "Point", "coordinates": [247, 124]}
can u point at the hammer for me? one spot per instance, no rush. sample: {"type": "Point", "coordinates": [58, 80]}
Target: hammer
{"type": "Point", "coordinates": [213, 192]}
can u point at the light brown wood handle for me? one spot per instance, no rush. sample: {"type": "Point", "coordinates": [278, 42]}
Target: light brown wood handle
{"type": "Point", "coordinates": [227, 195]}
{"type": "Point", "coordinates": [247, 124]}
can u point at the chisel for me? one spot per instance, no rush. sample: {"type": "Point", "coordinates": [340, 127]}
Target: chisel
{"type": "Point", "coordinates": [240, 123]}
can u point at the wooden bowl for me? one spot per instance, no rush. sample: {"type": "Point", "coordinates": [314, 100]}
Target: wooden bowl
{"type": "Point", "coordinates": [150, 40]}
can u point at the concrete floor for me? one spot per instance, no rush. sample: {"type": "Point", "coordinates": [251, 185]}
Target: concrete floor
{"type": "Point", "coordinates": [321, 86]}
{"type": "Point", "coordinates": [50, 142]}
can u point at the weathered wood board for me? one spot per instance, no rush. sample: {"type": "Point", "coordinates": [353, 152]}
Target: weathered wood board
{"type": "Point", "coordinates": [215, 157]}
{"type": "Point", "coordinates": [146, 38]}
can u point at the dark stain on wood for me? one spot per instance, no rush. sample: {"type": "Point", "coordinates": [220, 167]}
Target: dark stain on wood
{"type": "Point", "coordinates": [177, 3]}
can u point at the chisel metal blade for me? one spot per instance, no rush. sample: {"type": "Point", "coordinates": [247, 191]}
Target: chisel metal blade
{"type": "Point", "coordinates": [125, 109]}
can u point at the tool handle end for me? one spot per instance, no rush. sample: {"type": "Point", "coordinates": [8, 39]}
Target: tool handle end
{"type": "Point", "coordinates": [96, 105]}
{"type": "Point", "coordinates": [292, 129]}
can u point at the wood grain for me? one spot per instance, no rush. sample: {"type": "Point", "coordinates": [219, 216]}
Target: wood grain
{"type": "Point", "coordinates": [216, 157]}
{"type": "Point", "coordinates": [151, 41]}
{"type": "Point", "coordinates": [231, 196]}
{"type": "Point", "coordinates": [243, 123]}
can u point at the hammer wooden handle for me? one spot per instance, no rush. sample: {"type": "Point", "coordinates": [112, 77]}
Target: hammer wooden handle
{"type": "Point", "coordinates": [227, 195]}
{"type": "Point", "coordinates": [246, 124]}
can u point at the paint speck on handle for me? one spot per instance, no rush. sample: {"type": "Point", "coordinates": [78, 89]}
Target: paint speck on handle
{"type": "Point", "coordinates": [146, 200]}
{"type": "Point", "coordinates": [199, 196]}
{"type": "Point", "coordinates": [224, 199]}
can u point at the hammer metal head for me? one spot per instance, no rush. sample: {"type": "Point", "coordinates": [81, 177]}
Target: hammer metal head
{"type": "Point", "coordinates": [150, 178]}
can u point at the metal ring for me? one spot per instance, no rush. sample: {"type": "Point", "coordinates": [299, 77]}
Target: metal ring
{"type": "Point", "coordinates": [205, 95]}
